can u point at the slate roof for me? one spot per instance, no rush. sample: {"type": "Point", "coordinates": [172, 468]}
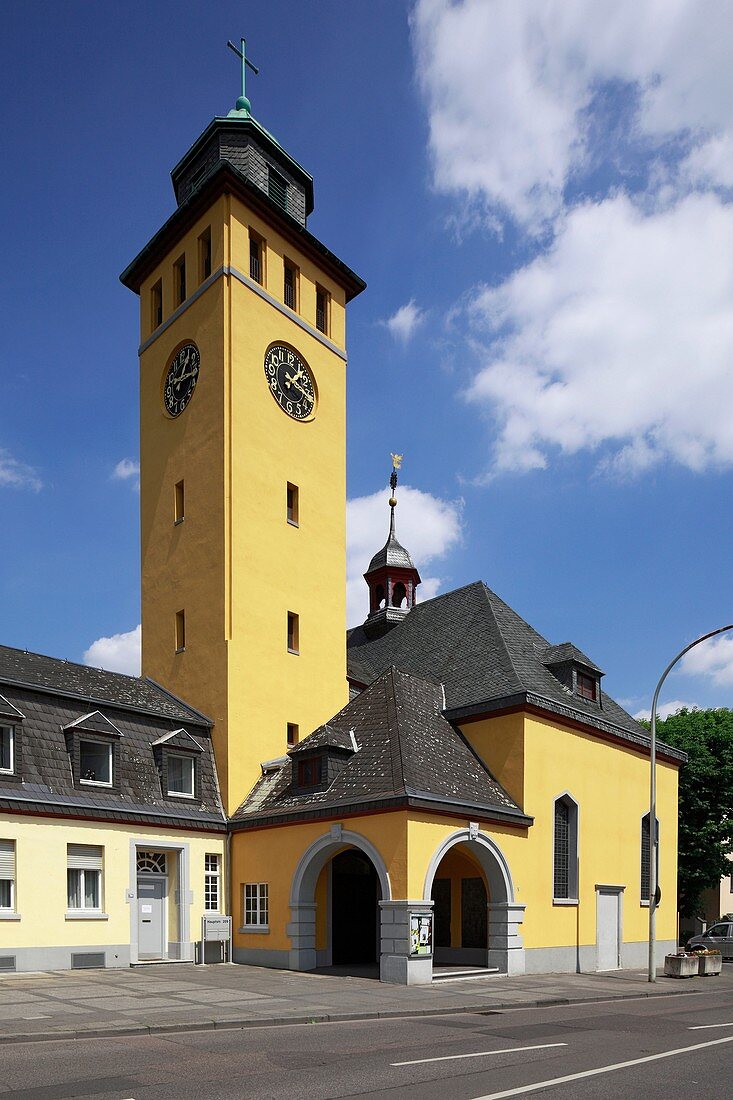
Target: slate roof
{"type": "Point", "coordinates": [567, 652]}
{"type": "Point", "coordinates": [392, 553]}
{"type": "Point", "coordinates": [407, 755]}
{"type": "Point", "coordinates": [44, 781]}
{"type": "Point", "coordinates": [18, 666]}
{"type": "Point", "coordinates": [488, 658]}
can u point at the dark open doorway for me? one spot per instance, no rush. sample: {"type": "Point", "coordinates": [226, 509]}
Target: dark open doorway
{"type": "Point", "coordinates": [355, 895]}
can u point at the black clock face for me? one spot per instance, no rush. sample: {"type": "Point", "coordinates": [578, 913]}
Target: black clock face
{"type": "Point", "coordinates": [291, 382]}
{"type": "Point", "coordinates": [180, 379]}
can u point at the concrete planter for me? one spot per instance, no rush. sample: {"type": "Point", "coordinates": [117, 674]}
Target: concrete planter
{"type": "Point", "coordinates": [709, 964]}
{"type": "Point", "coordinates": [680, 966]}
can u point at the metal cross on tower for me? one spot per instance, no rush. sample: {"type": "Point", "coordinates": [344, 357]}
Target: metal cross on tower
{"type": "Point", "coordinates": [243, 104]}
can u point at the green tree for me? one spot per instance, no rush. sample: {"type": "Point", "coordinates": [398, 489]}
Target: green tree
{"type": "Point", "coordinates": [706, 799]}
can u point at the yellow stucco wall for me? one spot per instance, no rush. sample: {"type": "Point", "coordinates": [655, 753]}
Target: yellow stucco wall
{"type": "Point", "coordinates": [41, 890]}
{"type": "Point", "coordinates": [235, 565]}
{"type": "Point", "coordinates": [608, 781]}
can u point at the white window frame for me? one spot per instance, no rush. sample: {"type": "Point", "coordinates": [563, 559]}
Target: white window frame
{"type": "Point", "coordinates": [11, 740]}
{"type": "Point", "coordinates": [189, 760]}
{"type": "Point", "coordinates": [11, 877]}
{"type": "Point", "coordinates": [110, 753]}
{"type": "Point", "coordinates": [212, 881]}
{"type": "Point", "coordinates": [259, 893]}
{"type": "Point", "coordinates": [80, 854]}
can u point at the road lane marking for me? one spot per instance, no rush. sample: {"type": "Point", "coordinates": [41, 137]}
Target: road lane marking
{"type": "Point", "coordinates": [703, 1027]}
{"type": "Point", "coordinates": [601, 1069]}
{"type": "Point", "coordinates": [478, 1054]}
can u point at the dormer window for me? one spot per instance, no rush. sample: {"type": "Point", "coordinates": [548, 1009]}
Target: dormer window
{"type": "Point", "coordinates": [95, 763]}
{"type": "Point", "coordinates": [7, 749]}
{"type": "Point", "coordinates": [181, 775]}
{"type": "Point", "coordinates": [93, 742]}
{"type": "Point", "coordinates": [310, 771]}
{"type": "Point", "coordinates": [586, 686]}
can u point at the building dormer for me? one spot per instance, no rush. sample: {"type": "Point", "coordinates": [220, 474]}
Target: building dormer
{"type": "Point", "coordinates": [318, 759]}
{"type": "Point", "coordinates": [575, 671]}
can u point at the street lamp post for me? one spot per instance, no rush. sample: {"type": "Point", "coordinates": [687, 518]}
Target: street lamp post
{"type": "Point", "coordinates": [653, 799]}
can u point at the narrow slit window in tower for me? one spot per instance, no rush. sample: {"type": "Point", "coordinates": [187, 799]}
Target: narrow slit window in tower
{"type": "Point", "coordinates": [293, 505]}
{"type": "Point", "coordinates": [179, 280]}
{"type": "Point", "coordinates": [179, 505]}
{"type": "Point", "coordinates": [205, 255]}
{"type": "Point", "coordinates": [293, 632]}
{"type": "Point", "coordinates": [180, 631]}
{"type": "Point", "coordinates": [156, 305]}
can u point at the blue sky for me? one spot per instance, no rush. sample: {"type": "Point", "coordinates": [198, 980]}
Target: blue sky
{"type": "Point", "coordinates": [541, 209]}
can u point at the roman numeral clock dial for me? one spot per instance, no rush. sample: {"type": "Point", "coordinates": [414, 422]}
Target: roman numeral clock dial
{"type": "Point", "coordinates": [291, 382]}
{"type": "Point", "coordinates": [180, 379]}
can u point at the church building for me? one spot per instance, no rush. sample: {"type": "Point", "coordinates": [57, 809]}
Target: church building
{"type": "Point", "coordinates": [440, 786]}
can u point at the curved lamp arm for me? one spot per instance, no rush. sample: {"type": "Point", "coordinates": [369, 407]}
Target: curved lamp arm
{"type": "Point", "coordinates": [653, 796]}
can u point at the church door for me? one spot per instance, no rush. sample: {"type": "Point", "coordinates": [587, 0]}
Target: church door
{"type": "Point", "coordinates": [354, 909]}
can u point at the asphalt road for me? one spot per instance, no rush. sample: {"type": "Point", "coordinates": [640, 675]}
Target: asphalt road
{"type": "Point", "coordinates": [677, 1046]}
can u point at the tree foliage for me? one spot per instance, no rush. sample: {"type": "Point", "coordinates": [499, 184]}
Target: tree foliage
{"type": "Point", "coordinates": [706, 799]}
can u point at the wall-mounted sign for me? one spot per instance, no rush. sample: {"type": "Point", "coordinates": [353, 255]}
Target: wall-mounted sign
{"type": "Point", "coordinates": [217, 928]}
{"type": "Point", "coordinates": [421, 934]}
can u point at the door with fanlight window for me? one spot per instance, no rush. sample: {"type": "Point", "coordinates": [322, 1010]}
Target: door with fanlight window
{"type": "Point", "coordinates": [152, 891]}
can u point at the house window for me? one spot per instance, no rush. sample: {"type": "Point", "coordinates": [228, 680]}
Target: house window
{"type": "Point", "coordinates": [587, 686]}
{"type": "Point", "coordinates": [179, 503]}
{"type": "Point", "coordinates": [645, 865]}
{"type": "Point", "coordinates": [84, 878]}
{"type": "Point", "coordinates": [7, 748]}
{"type": "Point", "coordinates": [179, 280]}
{"type": "Point", "coordinates": [293, 632]}
{"type": "Point", "coordinates": [180, 631]}
{"type": "Point", "coordinates": [256, 904]}
{"type": "Point", "coordinates": [292, 734]}
{"type": "Point", "coordinates": [310, 771]}
{"type": "Point", "coordinates": [212, 883]}
{"type": "Point", "coordinates": [290, 285]}
{"type": "Point", "coordinates": [7, 876]}
{"type": "Point", "coordinates": [95, 763]}
{"type": "Point", "coordinates": [256, 258]}
{"type": "Point", "coordinates": [293, 504]}
{"type": "Point", "coordinates": [277, 187]}
{"type": "Point", "coordinates": [156, 305]}
{"type": "Point", "coordinates": [565, 850]}
{"type": "Point", "coordinates": [322, 304]}
{"type": "Point", "coordinates": [205, 255]}
{"type": "Point", "coordinates": [181, 775]}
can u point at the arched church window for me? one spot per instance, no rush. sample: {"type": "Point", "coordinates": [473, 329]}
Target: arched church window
{"type": "Point", "coordinates": [399, 594]}
{"type": "Point", "coordinates": [565, 853]}
{"type": "Point", "coordinates": [379, 596]}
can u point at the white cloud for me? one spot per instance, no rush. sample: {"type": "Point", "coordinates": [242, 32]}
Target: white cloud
{"type": "Point", "coordinates": [665, 709]}
{"type": "Point", "coordinates": [426, 526]}
{"type": "Point", "coordinates": [512, 89]}
{"type": "Point", "coordinates": [405, 321]}
{"type": "Point", "coordinates": [127, 470]}
{"type": "Point", "coordinates": [118, 653]}
{"type": "Point", "coordinates": [16, 475]}
{"type": "Point", "coordinates": [713, 659]}
{"type": "Point", "coordinates": [618, 338]}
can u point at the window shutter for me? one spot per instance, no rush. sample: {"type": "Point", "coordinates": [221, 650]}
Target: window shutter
{"type": "Point", "coordinates": [85, 857]}
{"type": "Point", "coordinates": [7, 859]}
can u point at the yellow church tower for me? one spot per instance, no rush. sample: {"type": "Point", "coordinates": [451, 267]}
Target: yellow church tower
{"type": "Point", "coordinates": [242, 448]}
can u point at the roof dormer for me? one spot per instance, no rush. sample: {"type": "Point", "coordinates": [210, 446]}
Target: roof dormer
{"type": "Point", "coordinates": [575, 671]}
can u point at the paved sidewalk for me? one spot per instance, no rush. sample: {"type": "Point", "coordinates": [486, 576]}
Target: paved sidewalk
{"type": "Point", "coordinates": [154, 999]}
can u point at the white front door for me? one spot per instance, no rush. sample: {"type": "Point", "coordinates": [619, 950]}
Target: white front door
{"type": "Point", "coordinates": [608, 929]}
{"type": "Point", "coordinates": [151, 931]}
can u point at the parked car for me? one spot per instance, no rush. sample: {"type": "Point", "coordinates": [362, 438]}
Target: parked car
{"type": "Point", "coordinates": [719, 937]}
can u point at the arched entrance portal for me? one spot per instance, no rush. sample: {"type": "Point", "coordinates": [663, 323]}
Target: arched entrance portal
{"type": "Point", "coordinates": [476, 920]}
{"type": "Point", "coordinates": [334, 902]}
{"type": "Point", "coordinates": [355, 897]}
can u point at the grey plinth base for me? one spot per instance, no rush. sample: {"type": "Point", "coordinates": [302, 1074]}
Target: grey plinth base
{"type": "Point", "coordinates": [302, 932]}
{"type": "Point", "coordinates": [506, 948]}
{"type": "Point", "coordinates": [396, 965]}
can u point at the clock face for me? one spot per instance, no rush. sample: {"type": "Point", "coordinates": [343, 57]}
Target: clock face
{"type": "Point", "coordinates": [291, 382]}
{"type": "Point", "coordinates": [180, 379]}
